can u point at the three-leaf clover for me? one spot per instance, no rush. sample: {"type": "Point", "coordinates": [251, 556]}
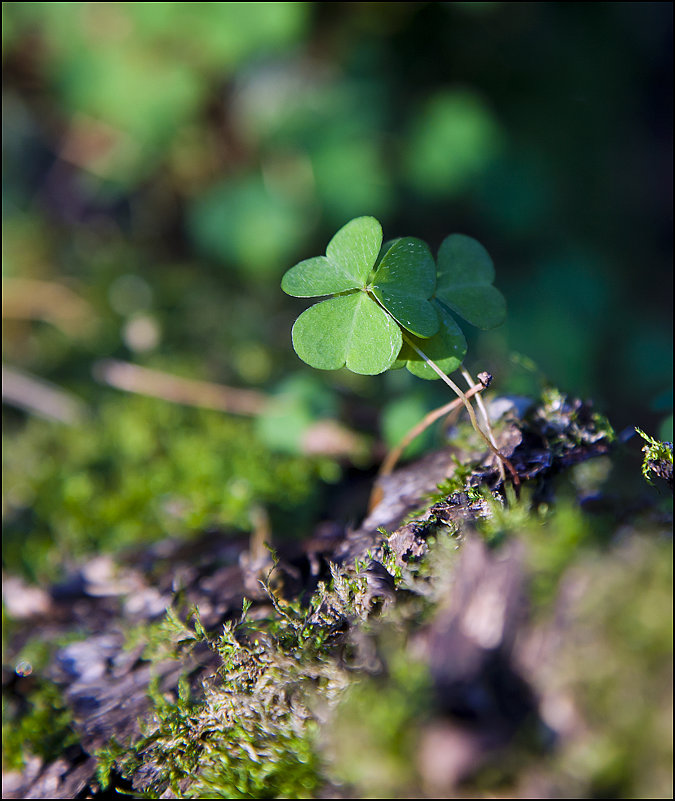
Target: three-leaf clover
{"type": "Point", "coordinates": [388, 303]}
{"type": "Point", "coordinates": [393, 306]}
{"type": "Point", "coordinates": [360, 326]}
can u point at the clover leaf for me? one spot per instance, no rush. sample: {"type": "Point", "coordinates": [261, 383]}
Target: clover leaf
{"type": "Point", "coordinates": [464, 282]}
{"type": "Point", "coordinates": [348, 330]}
{"type": "Point", "coordinates": [463, 286]}
{"type": "Point", "coordinates": [447, 348]}
{"type": "Point", "coordinates": [403, 283]}
{"type": "Point", "coordinates": [375, 294]}
{"type": "Point", "coordinates": [349, 258]}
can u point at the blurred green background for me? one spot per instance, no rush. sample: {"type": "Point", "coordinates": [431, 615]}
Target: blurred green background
{"type": "Point", "coordinates": [165, 163]}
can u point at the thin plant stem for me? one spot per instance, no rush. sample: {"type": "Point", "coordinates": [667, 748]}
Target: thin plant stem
{"type": "Point", "coordinates": [486, 418]}
{"type": "Point", "coordinates": [395, 453]}
{"type": "Point", "coordinates": [469, 408]}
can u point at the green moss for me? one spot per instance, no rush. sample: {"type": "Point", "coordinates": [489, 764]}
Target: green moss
{"type": "Point", "coordinates": [372, 738]}
{"type": "Point", "coordinates": [457, 482]}
{"type": "Point", "coordinates": [302, 693]}
{"type": "Point", "coordinates": [297, 703]}
{"type": "Point", "coordinates": [658, 458]}
{"type": "Point", "coordinates": [35, 718]}
{"type": "Point", "coordinates": [38, 724]}
{"type": "Point", "coordinates": [166, 638]}
{"type": "Point", "coordinates": [141, 470]}
{"type": "Point", "coordinates": [251, 733]}
{"type": "Point", "coordinates": [258, 760]}
{"type": "Point", "coordinates": [616, 669]}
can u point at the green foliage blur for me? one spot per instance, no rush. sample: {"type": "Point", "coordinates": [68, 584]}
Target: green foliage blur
{"type": "Point", "coordinates": [165, 163]}
{"type": "Point", "coordinates": [143, 470]}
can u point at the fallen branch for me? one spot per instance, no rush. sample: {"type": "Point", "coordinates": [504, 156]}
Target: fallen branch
{"type": "Point", "coordinates": [156, 384]}
{"type": "Point", "coordinates": [40, 397]}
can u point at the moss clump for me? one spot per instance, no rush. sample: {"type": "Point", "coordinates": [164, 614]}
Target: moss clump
{"type": "Point", "coordinates": [365, 690]}
{"type": "Point", "coordinates": [337, 696]}
{"type": "Point", "coordinates": [613, 674]}
{"type": "Point", "coordinates": [250, 733]}
{"type": "Point", "coordinates": [658, 458]}
{"type": "Point", "coordinates": [36, 723]}
{"type": "Point", "coordinates": [140, 470]}
{"type": "Point", "coordinates": [371, 743]}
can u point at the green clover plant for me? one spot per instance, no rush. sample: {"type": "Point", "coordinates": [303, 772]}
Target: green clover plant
{"type": "Point", "coordinates": [392, 306]}
{"type": "Point", "coordinates": [361, 325]}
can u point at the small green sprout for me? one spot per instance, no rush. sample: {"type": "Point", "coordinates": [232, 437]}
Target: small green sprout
{"type": "Point", "coordinates": [658, 458]}
{"type": "Point", "coordinates": [392, 306]}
